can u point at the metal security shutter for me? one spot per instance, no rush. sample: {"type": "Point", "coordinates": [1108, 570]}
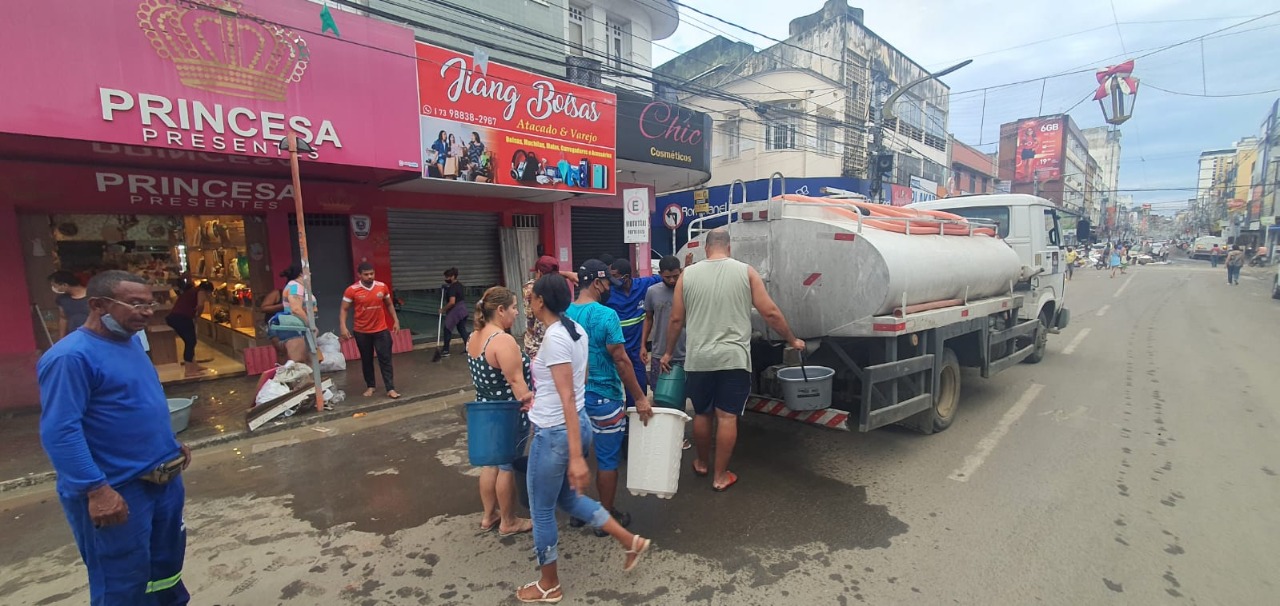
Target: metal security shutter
{"type": "Point", "coordinates": [425, 243]}
{"type": "Point", "coordinates": [596, 231]}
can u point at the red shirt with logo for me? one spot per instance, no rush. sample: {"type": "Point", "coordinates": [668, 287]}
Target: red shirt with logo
{"type": "Point", "coordinates": [369, 304]}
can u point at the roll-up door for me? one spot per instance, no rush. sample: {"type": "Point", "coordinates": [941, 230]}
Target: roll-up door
{"type": "Point", "coordinates": [597, 231]}
{"type": "Point", "coordinates": [425, 243]}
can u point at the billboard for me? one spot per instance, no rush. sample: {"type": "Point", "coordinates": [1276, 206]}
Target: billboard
{"type": "Point", "coordinates": [1038, 155]}
{"type": "Point", "coordinates": [211, 77]}
{"type": "Point", "coordinates": [486, 123]}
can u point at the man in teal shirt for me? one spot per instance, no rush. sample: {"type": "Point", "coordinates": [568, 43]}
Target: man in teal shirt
{"type": "Point", "coordinates": [608, 370]}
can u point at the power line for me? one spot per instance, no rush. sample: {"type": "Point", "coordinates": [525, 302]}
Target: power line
{"type": "Point", "coordinates": [1147, 84]}
{"type": "Point", "coordinates": [1116, 18]}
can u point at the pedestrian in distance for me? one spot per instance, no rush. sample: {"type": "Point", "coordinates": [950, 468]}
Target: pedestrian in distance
{"type": "Point", "coordinates": [182, 319]}
{"type": "Point", "coordinates": [611, 370]}
{"type": "Point", "coordinates": [454, 310]}
{"type": "Point", "coordinates": [104, 422]}
{"type": "Point", "coordinates": [372, 302]}
{"type": "Point", "coordinates": [291, 325]}
{"type": "Point", "coordinates": [558, 473]}
{"type": "Point", "coordinates": [1117, 256]}
{"type": "Point", "coordinates": [713, 301]}
{"type": "Point", "coordinates": [1215, 254]}
{"type": "Point", "coordinates": [534, 328]}
{"type": "Point", "coordinates": [500, 372]}
{"type": "Point", "coordinates": [73, 304]}
{"type": "Point", "coordinates": [1072, 256]}
{"type": "Point", "coordinates": [1235, 261]}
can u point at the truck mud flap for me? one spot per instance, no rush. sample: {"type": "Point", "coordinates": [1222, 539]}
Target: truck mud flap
{"type": "Point", "coordinates": [830, 418]}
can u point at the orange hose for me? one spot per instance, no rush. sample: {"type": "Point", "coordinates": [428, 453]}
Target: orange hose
{"type": "Point", "coordinates": [957, 227]}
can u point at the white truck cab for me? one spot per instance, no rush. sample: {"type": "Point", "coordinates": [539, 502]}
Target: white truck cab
{"type": "Point", "coordinates": [1029, 225]}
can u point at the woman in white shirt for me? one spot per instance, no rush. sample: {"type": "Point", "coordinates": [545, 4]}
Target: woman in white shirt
{"type": "Point", "coordinates": [558, 472]}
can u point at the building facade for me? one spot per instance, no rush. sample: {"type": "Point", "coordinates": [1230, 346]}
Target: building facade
{"type": "Point", "coordinates": [972, 172]}
{"type": "Point", "coordinates": [1049, 157]}
{"type": "Point", "coordinates": [172, 168]}
{"type": "Point", "coordinates": [802, 107]}
{"type": "Point", "coordinates": [1104, 147]}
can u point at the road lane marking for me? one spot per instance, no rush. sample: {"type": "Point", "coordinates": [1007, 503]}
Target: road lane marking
{"type": "Point", "coordinates": [1122, 287]}
{"type": "Point", "coordinates": [1103, 311]}
{"type": "Point", "coordinates": [989, 443]}
{"type": "Point", "coordinates": [1071, 347]}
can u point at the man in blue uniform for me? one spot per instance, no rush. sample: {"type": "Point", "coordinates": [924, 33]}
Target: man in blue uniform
{"type": "Point", "coordinates": [627, 299]}
{"type": "Point", "coordinates": [104, 423]}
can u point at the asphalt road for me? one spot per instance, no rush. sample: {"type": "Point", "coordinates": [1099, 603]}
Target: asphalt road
{"type": "Point", "coordinates": [1136, 465]}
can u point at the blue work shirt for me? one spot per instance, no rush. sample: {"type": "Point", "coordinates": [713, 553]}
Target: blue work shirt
{"type": "Point", "coordinates": [603, 329]}
{"type": "Point", "coordinates": [104, 418]}
{"type": "Point", "coordinates": [630, 308]}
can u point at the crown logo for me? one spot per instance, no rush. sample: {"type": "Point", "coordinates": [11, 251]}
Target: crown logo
{"type": "Point", "coordinates": [218, 47]}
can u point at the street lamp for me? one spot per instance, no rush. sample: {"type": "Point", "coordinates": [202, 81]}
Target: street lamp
{"type": "Point", "coordinates": [292, 144]}
{"type": "Point", "coordinates": [878, 166]}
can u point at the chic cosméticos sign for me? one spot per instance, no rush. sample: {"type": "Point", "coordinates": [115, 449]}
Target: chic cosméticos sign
{"type": "Point", "coordinates": [658, 132]}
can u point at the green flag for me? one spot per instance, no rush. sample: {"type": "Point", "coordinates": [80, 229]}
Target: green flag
{"type": "Point", "coordinates": [327, 23]}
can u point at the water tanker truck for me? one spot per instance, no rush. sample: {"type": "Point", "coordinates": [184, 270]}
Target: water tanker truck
{"type": "Point", "coordinates": [894, 300]}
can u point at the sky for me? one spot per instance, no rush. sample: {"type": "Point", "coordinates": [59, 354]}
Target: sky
{"type": "Point", "coordinates": [1012, 41]}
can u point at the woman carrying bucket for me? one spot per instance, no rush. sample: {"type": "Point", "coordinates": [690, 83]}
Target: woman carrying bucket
{"type": "Point", "coordinates": [558, 473]}
{"type": "Point", "coordinates": [500, 373]}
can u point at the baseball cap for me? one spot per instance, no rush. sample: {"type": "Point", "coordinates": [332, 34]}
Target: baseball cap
{"type": "Point", "coordinates": [546, 264]}
{"type": "Point", "coordinates": [592, 270]}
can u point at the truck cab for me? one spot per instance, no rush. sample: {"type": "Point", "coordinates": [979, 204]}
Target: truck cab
{"type": "Point", "coordinates": [1030, 225]}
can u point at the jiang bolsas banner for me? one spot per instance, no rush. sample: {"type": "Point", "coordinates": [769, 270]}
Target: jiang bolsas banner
{"type": "Point", "coordinates": [483, 122]}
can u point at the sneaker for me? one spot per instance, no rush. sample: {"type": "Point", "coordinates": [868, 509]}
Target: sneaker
{"type": "Point", "coordinates": [622, 517]}
{"type": "Point", "coordinates": [445, 354]}
{"type": "Point", "coordinates": [577, 523]}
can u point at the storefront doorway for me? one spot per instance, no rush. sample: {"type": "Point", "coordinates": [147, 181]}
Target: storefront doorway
{"type": "Point", "coordinates": [332, 270]}
{"type": "Point", "coordinates": [596, 232]}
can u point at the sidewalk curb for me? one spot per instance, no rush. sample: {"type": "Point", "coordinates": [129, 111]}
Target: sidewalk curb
{"type": "Point", "coordinates": [310, 419]}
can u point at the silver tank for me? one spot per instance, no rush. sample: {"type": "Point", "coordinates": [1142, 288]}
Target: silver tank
{"type": "Point", "coordinates": [825, 273]}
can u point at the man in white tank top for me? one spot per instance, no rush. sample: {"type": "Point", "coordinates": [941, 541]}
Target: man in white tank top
{"type": "Point", "coordinates": [713, 302]}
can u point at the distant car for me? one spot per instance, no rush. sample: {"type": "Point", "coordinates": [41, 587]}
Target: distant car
{"type": "Point", "coordinates": [1204, 244]}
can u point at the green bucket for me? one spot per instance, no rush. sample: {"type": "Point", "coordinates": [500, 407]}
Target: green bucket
{"type": "Point", "coordinates": [669, 392]}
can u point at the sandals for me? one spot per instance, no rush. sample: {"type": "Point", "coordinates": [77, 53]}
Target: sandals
{"type": "Point", "coordinates": [639, 546]}
{"type": "Point", "coordinates": [546, 594]}
{"type": "Point", "coordinates": [523, 527]}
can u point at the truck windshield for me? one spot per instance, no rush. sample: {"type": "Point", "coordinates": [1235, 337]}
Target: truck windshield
{"type": "Point", "coordinates": [999, 214]}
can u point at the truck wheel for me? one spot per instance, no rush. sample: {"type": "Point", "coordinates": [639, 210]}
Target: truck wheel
{"type": "Point", "coordinates": [1041, 340]}
{"type": "Point", "coordinates": [947, 400]}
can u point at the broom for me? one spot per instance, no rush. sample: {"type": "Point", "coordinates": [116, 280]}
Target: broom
{"type": "Point", "coordinates": [439, 326]}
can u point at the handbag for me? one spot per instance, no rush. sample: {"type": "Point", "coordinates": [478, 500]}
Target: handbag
{"type": "Point", "coordinates": [451, 166]}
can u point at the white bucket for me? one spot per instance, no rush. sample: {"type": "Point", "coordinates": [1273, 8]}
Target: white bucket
{"type": "Point", "coordinates": [813, 394]}
{"type": "Point", "coordinates": [654, 451]}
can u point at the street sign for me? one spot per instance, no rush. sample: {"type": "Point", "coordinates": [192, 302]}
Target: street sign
{"type": "Point", "coordinates": [635, 204]}
{"type": "Point", "coordinates": [700, 204]}
{"type": "Point", "coordinates": [673, 216]}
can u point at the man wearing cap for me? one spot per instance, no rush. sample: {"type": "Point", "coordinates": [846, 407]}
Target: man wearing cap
{"type": "Point", "coordinates": [628, 301]}
{"type": "Point", "coordinates": [608, 371]}
{"type": "Point", "coordinates": [534, 328]}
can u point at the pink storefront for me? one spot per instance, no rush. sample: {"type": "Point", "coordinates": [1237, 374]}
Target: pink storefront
{"type": "Point", "coordinates": [143, 134]}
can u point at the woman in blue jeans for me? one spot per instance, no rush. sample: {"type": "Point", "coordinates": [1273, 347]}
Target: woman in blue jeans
{"type": "Point", "coordinates": [558, 474]}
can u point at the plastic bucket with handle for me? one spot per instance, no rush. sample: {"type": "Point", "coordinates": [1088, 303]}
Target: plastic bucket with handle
{"type": "Point", "coordinates": [493, 433]}
{"type": "Point", "coordinates": [669, 392]}
{"type": "Point", "coordinates": [806, 387]}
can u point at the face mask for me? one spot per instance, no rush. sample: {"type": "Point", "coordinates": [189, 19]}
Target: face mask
{"type": "Point", "coordinates": [56, 291]}
{"type": "Point", "coordinates": [604, 296]}
{"type": "Point", "coordinates": [115, 328]}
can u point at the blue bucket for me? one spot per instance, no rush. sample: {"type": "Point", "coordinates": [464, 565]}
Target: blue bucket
{"type": "Point", "coordinates": [493, 433]}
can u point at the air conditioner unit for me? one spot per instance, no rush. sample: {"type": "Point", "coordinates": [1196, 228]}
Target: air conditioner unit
{"type": "Point", "coordinates": [582, 71]}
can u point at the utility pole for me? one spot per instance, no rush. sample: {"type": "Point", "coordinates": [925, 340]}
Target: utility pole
{"type": "Point", "coordinates": [294, 145]}
{"type": "Point", "coordinates": [876, 170]}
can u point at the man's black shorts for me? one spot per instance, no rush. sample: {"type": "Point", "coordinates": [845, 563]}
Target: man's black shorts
{"type": "Point", "coordinates": [725, 390]}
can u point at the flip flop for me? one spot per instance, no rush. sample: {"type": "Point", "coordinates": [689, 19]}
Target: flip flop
{"type": "Point", "coordinates": [644, 545]}
{"type": "Point", "coordinates": [490, 528]}
{"type": "Point", "coordinates": [733, 479]}
{"type": "Point", "coordinates": [701, 474]}
{"type": "Point", "coordinates": [393, 397]}
{"type": "Point", "coordinates": [523, 529]}
{"type": "Point", "coordinates": [546, 594]}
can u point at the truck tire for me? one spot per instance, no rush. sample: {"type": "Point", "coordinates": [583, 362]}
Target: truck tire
{"type": "Point", "coordinates": [1041, 340]}
{"type": "Point", "coordinates": [947, 400]}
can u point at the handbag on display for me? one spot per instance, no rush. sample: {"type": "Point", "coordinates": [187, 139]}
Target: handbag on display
{"type": "Point", "coordinates": [451, 166]}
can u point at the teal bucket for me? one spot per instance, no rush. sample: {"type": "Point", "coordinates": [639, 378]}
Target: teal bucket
{"type": "Point", "coordinates": [493, 433]}
{"type": "Point", "coordinates": [669, 392]}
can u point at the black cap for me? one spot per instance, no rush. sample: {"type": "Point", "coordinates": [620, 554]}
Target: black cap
{"type": "Point", "coordinates": [592, 270]}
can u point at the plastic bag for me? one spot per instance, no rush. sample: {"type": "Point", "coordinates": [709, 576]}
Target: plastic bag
{"type": "Point", "coordinates": [329, 344]}
{"type": "Point", "coordinates": [333, 362]}
{"type": "Point", "coordinates": [270, 391]}
{"type": "Point", "coordinates": [292, 371]}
